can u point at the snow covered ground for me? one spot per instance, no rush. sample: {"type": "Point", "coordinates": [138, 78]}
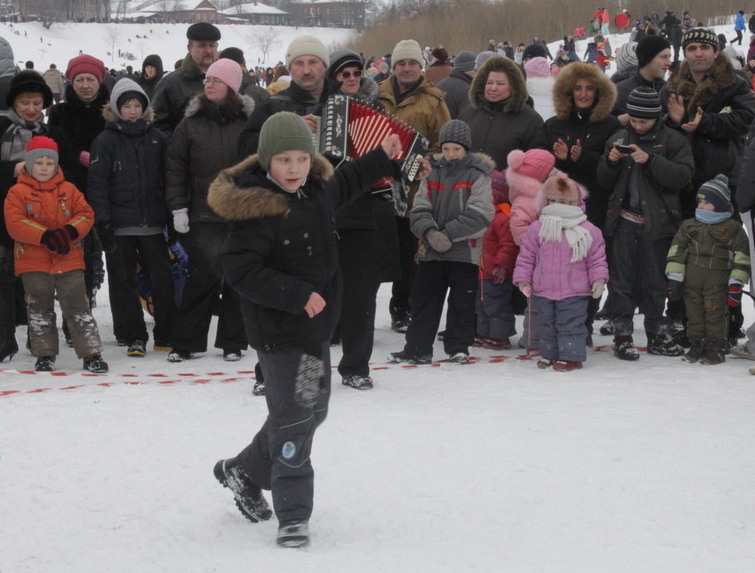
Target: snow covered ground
{"type": "Point", "coordinates": [491, 466]}
{"type": "Point", "coordinates": [487, 467]}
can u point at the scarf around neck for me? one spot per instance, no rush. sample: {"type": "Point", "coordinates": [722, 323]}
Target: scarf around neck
{"type": "Point", "coordinates": [14, 140]}
{"type": "Point", "coordinates": [711, 217]}
{"type": "Point", "coordinates": [557, 218]}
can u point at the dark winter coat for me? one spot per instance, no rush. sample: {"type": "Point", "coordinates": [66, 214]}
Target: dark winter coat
{"type": "Point", "coordinates": [456, 86]}
{"type": "Point", "coordinates": [624, 88]}
{"type": "Point", "coordinates": [7, 70]}
{"type": "Point", "coordinates": [499, 128]}
{"type": "Point", "coordinates": [294, 99]}
{"type": "Point", "coordinates": [667, 172]}
{"type": "Point", "coordinates": [591, 127]}
{"type": "Point", "coordinates": [125, 183]}
{"type": "Point", "coordinates": [149, 84]}
{"type": "Point", "coordinates": [745, 193]}
{"type": "Point", "coordinates": [728, 106]}
{"type": "Point", "coordinates": [251, 89]}
{"type": "Point", "coordinates": [203, 144]}
{"type": "Point", "coordinates": [80, 122]}
{"type": "Point", "coordinates": [281, 247]}
{"type": "Point", "coordinates": [173, 93]}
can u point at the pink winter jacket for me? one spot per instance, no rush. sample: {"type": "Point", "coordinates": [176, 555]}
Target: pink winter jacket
{"type": "Point", "coordinates": [525, 195]}
{"type": "Point", "coordinates": [547, 265]}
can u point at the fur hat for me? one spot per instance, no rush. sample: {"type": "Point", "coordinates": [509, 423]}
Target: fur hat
{"type": "Point", "coordinates": [626, 56]}
{"type": "Point", "coordinates": [561, 190]}
{"type": "Point", "coordinates": [40, 146]}
{"type": "Point", "coordinates": [283, 131]}
{"type": "Point", "coordinates": [701, 35]}
{"type": "Point", "coordinates": [535, 163]}
{"type": "Point", "coordinates": [306, 46]}
{"type": "Point", "coordinates": [649, 47]}
{"type": "Point", "coordinates": [406, 50]}
{"type": "Point", "coordinates": [534, 51]}
{"type": "Point", "coordinates": [456, 131]}
{"type": "Point", "coordinates": [716, 191]}
{"type": "Point", "coordinates": [227, 70]}
{"type": "Point", "coordinates": [464, 61]}
{"type": "Point", "coordinates": [86, 64]}
{"type": "Point", "coordinates": [440, 54]}
{"type": "Point", "coordinates": [537, 68]}
{"type": "Point", "coordinates": [644, 102]}
{"type": "Point", "coordinates": [28, 81]}
{"type": "Point", "coordinates": [203, 32]}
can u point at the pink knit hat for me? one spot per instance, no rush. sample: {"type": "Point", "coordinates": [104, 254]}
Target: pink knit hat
{"type": "Point", "coordinates": [228, 71]}
{"type": "Point", "coordinates": [535, 163]}
{"type": "Point", "coordinates": [537, 68]}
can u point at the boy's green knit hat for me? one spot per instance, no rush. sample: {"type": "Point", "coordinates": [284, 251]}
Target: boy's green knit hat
{"type": "Point", "coordinates": [283, 131]}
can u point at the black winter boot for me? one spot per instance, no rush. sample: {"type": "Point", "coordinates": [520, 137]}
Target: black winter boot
{"type": "Point", "coordinates": [714, 351]}
{"type": "Point", "coordinates": [623, 348]}
{"type": "Point", "coordinates": [664, 345]}
{"type": "Point", "coordinates": [695, 351]}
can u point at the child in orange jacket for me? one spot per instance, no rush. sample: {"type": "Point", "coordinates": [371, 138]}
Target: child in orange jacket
{"type": "Point", "coordinates": [48, 217]}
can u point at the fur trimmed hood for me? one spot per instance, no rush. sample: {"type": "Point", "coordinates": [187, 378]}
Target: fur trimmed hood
{"type": "Point", "coordinates": [564, 87]}
{"type": "Point", "coordinates": [199, 102]}
{"type": "Point", "coordinates": [681, 83]}
{"type": "Point", "coordinates": [235, 203]}
{"type": "Point", "coordinates": [519, 94]}
{"type": "Point", "coordinates": [368, 91]}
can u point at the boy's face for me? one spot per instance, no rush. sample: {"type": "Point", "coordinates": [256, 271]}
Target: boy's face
{"type": "Point", "coordinates": [705, 205]}
{"type": "Point", "coordinates": [290, 169]}
{"type": "Point", "coordinates": [43, 169]}
{"type": "Point", "coordinates": [453, 151]}
{"type": "Point", "coordinates": [642, 125]}
{"type": "Point", "coordinates": [132, 110]}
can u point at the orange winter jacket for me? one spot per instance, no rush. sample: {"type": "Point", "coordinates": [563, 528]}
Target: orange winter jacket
{"type": "Point", "coordinates": [32, 208]}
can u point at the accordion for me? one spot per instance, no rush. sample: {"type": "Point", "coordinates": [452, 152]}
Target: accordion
{"type": "Point", "coordinates": [349, 128]}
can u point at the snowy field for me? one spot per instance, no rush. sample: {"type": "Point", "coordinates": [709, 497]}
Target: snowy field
{"type": "Point", "coordinates": [492, 466]}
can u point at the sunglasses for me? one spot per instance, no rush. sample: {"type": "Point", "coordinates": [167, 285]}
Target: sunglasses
{"type": "Point", "coordinates": [347, 75]}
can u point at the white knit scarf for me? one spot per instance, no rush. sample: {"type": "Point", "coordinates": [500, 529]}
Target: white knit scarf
{"type": "Point", "coordinates": [567, 218]}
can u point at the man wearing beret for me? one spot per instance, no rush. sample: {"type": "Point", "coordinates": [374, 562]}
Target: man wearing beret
{"type": "Point", "coordinates": [175, 90]}
{"type": "Point", "coordinates": [307, 61]}
{"type": "Point", "coordinates": [653, 61]}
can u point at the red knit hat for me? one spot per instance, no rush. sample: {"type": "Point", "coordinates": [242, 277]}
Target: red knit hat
{"type": "Point", "coordinates": [40, 146]}
{"type": "Point", "coordinates": [535, 163]}
{"type": "Point", "coordinates": [86, 64]}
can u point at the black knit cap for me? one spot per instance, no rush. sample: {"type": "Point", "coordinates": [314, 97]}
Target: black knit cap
{"type": "Point", "coordinates": [644, 103]}
{"type": "Point", "coordinates": [343, 58]}
{"type": "Point", "coordinates": [203, 32]}
{"type": "Point", "coordinates": [28, 81]}
{"type": "Point", "coordinates": [648, 48]}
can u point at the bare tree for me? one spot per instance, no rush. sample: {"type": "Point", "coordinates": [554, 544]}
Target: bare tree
{"type": "Point", "coordinates": [264, 39]}
{"type": "Point", "coordinates": [112, 36]}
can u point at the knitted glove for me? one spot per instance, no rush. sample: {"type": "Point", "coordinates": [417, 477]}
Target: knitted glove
{"type": "Point", "coordinates": [181, 220]}
{"type": "Point", "coordinates": [57, 241]}
{"type": "Point", "coordinates": [438, 240]}
{"type": "Point", "coordinates": [84, 158]}
{"type": "Point", "coordinates": [106, 235]}
{"type": "Point", "coordinates": [499, 274]}
{"type": "Point", "coordinates": [675, 290]}
{"type": "Point", "coordinates": [526, 289]}
{"type": "Point", "coordinates": [598, 287]}
{"type": "Point", "coordinates": [735, 295]}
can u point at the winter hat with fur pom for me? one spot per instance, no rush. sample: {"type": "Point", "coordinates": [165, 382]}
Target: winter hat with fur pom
{"type": "Point", "coordinates": [537, 68]}
{"type": "Point", "coordinates": [716, 192]}
{"type": "Point", "coordinates": [561, 190]}
{"type": "Point", "coordinates": [535, 163]}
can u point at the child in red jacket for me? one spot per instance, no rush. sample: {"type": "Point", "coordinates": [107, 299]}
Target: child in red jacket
{"type": "Point", "coordinates": [48, 217]}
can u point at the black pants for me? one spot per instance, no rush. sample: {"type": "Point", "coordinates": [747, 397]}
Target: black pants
{"type": "Point", "coordinates": [151, 252]}
{"type": "Point", "coordinates": [401, 291]}
{"type": "Point", "coordinates": [431, 283]}
{"type": "Point", "coordinates": [357, 256]}
{"type": "Point", "coordinates": [203, 244]}
{"type": "Point", "coordinates": [738, 37]}
{"type": "Point", "coordinates": [7, 293]}
{"type": "Point", "coordinates": [278, 459]}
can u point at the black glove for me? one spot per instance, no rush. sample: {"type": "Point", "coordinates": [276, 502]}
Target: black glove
{"type": "Point", "coordinates": [58, 240]}
{"type": "Point", "coordinates": [106, 234]}
{"type": "Point", "coordinates": [675, 290]}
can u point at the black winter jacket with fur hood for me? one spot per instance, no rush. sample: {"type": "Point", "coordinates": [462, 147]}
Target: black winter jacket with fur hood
{"type": "Point", "coordinates": [281, 246]}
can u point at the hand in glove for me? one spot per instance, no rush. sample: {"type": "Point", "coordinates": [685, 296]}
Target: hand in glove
{"type": "Point", "coordinates": [735, 295]}
{"type": "Point", "coordinates": [526, 289]}
{"type": "Point", "coordinates": [499, 274]}
{"type": "Point", "coordinates": [675, 290]}
{"type": "Point", "coordinates": [597, 288]}
{"type": "Point", "coordinates": [106, 234]}
{"type": "Point", "coordinates": [438, 240]}
{"type": "Point", "coordinates": [181, 220]}
{"type": "Point", "coordinates": [58, 240]}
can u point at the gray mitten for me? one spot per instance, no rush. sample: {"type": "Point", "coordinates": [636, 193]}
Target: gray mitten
{"type": "Point", "coordinates": [308, 379]}
{"type": "Point", "coordinates": [438, 240]}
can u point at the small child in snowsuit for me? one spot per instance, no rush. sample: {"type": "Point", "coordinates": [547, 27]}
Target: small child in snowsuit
{"type": "Point", "coordinates": [708, 264]}
{"type": "Point", "coordinates": [48, 218]}
{"type": "Point", "coordinates": [496, 322]}
{"type": "Point", "coordinates": [562, 262]}
{"type": "Point", "coordinates": [451, 212]}
{"type": "Point", "coordinates": [280, 255]}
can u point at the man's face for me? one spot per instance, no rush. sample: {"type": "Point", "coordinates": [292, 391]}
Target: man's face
{"type": "Point", "coordinates": [203, 53]}
{"type": "Point", "coordinates": [659, 65]}
{"type": "Point", "coordinates": [150, 71]}
{"type": "Point", "coordinates": [700, 57]}
{"type": "Point", "coordinates": [308, 72]}
{"type": "Point", "coordinates": [407, 73]}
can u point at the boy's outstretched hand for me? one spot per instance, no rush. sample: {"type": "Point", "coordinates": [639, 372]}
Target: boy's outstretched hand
{"type": "Point", "coordinates": [315, 305]}
{"type": "Point", "coordinates": [391, 145]}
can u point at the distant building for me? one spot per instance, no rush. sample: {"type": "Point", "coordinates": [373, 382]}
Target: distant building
{"type": "Point", "coordinates": [255, 13]}
{"type": "Point", "coordinates": [329, 13]}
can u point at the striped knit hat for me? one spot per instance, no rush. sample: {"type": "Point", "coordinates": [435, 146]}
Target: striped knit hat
{"type": "Point", "coordinates": [700, 35]}
{"type": "Point", "coordinates": [644, 103]}
{"type": "Point", "coordinates": [716, 191]}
